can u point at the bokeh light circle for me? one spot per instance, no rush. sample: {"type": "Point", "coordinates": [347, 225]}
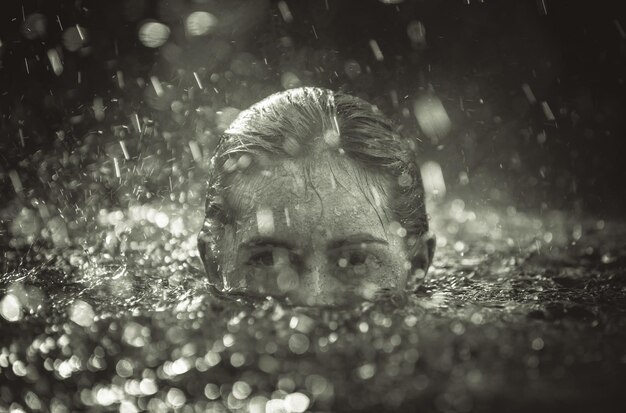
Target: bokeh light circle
{"type": "Point", "coordinates": [153, 34]}
{"type": "Point", "coordinates": [34, 26]}
{"type": "Point", "coordinates": [352, 68]}
{"type": "Point", "coordinates": [200, 23]}
{"type": "Point", "coordinates": [74, 38]}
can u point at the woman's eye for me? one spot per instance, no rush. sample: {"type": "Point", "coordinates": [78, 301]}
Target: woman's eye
{"type": "Point", "coordinates": [273, 257]}
{"type": "Point", "coordinates": [265, 258]}
{"type": "Point", "coordinates": [358, 257]}
{"type": "Point", "coordinates": [354, 258]}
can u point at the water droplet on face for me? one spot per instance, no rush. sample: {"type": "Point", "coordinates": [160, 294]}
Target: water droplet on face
{"type": "Point", "coordinates": [331, 137]}
{"type": "Point", "coordinates": [265, 221]}
{"type": "Point", "coordinates": [396, 228]}
{"type": "Point", "coordinates": [288, 279]}
{"type": "Point", "coordinates": [230, 165]}
{"type": "Point", "coordinates": [244, 161]}
{"type": "Point", "coordinates": [405, 180]}
{"type": "Point", "coordinates": [291, 146]}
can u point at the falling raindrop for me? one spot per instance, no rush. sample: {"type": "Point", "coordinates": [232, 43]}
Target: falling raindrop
{"type": "Point", "coordinates": [432, 117]}
{"type": "Point", "coordinates": [284, 11]}
{"type": "Point", "coordinates": [55, 62]}
{"type": "Point", "coordinates": [378, 54]}
{"type": "Point", "coordinates": [417, 33]}
{"type": "Point", "coordinates": [432, 176]}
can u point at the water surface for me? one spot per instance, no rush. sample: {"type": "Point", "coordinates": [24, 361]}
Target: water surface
{"type": "Point", "coordinates": [519, 312]}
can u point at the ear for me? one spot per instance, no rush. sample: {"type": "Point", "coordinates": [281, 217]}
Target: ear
{"type": "Point", "coordinates": [422, 252]}
{"type": "Point", "coordinates": [207, 247]}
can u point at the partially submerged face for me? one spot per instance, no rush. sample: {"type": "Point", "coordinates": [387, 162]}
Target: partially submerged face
{"type": "Point", "coordinates": [319, 235]}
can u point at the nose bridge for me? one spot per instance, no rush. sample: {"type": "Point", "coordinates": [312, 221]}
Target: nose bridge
{"type": "Point", "coordinates": [315, 260]}
{"type": "Point", "coordinates": [316, 278]}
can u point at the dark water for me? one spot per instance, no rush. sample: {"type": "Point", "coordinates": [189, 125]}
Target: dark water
{"type": "Point", "coordinates": [519, 312]}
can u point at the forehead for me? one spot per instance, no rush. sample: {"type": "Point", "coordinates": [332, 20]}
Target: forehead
{"type": "Point", "coordinates": [294, 199]}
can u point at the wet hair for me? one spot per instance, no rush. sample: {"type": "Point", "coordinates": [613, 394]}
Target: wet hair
{"type": "Point", "coordinates": [300, 124]}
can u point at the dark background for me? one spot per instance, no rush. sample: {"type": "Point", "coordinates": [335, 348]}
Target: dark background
{"type": "Point", "coordinates": [476, 57]}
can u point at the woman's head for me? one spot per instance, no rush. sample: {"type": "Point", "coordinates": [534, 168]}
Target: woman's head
{"type": "Point", "coordinates": [313, 196]}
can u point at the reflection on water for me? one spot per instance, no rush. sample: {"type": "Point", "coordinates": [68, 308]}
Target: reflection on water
{"type": "Point", "coordinates": [518, 312]}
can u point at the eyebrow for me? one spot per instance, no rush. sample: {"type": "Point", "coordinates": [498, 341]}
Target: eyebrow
{"type": "Point", "coordinates": [359, 238]}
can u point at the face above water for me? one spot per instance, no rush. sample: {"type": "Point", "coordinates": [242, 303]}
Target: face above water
{"type": "Point", "coordinates": [314, 235]}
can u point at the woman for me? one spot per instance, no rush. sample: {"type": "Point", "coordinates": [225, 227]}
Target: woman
{"type": "Point", "coordinates": [314, 198]}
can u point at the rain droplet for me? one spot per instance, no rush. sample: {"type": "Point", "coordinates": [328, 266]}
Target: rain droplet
{"type": "Point", "coordinates": [298, 343]}
{"type": "Point", "coordinates": [244, 161]}
{"type": "Point", "coordinates": [81, 313]}
{"type": "Point", "coordinates": [285, 12]}
{"type": "Point", "coordinates": [297, 402]}
{"type": "Point", "coordinates": [287, 279]}
{"type": "Point", "coordinates": [417, 33]}
{"type": "Point", "coordinates": [331, 137]}
{"type": "Point", "coordinates": [547, 111]}
{"type": "Point", "coordinates": [55, 62]}
{"type": "Point", "coordinates": [432, 117]}
{"type": "Point", "coordinates": [265, 221]}
{"type": "Point", "coordinates": [291, 146]}
{"type": "Point", "coordinates": [16, 181]}
{"type": "Point", "coordinates": [196, 152]}
{"type": "Point", "coordinates": [241, 390]}
{"type": "Point", "coordinates": [405, 180]}
{"type": "Point", "coordinates": [352, 68]}
{"type": "Point", "coordinates": [529, 93]}
{"type": "Point", "coordinates": [432, 175]}
{"type": "Point", "coordinates": [537, 344]}
{"type": "Point", "coordinates": [10, 308]}
{"type": "Point", "coordinates": [378, 54]}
